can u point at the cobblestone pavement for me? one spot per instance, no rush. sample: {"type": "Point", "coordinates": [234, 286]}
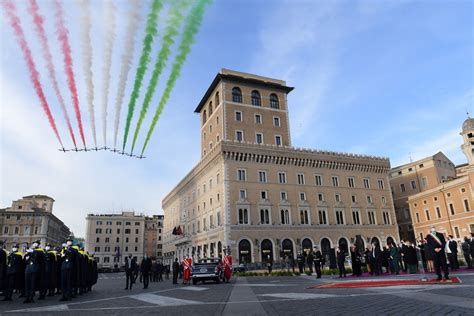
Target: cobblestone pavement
{"type": "Point", "coordinates": [259, 296]}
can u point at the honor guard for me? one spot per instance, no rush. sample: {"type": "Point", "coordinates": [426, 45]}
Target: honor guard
{"type": "Point", "coordinates": [68, 256]}
{"type": "Point", "coordinates": [3, 267]}
{"type": "Point", "coordinates": [14, 272]}
{"type": "Point", "coordinates": [49, 272]}
{"type": "Point", "coordinates": [33, 262]}
{"type": "Point", "coordinates": [77, 272]}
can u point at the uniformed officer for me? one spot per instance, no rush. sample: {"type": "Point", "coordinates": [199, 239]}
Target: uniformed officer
{"type": "Point", "coordinates": [3, 268]}
{"type": "Point", "coordinates": [76, 271]}
{"type": "Point", "coordinates": [48, 276]}
{"type": "Point", "coordinates": [33, 265]}
{"type": "Point", "coordinates": [15, 269]}
{"type": "Point", "coordinates": [68, 256]}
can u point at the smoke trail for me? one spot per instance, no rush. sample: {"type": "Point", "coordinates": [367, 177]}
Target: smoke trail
{"type": "Point", "coordinates": [143, 64]}
{"type": "Point", "coordinates": [109, 43]}
{"type": "Point", "coordinates": [133, 20]}
{"type": "Point", "coordinates": [85, 26]}
{"type": "Point", "coordinates": [11, 12]}
{"type": "Point", "coordinates": [38, 21]}
{"type": "Point", "coordinates": [193, 21]}
{"type": "Point", "coordinates": [64, 40]}
{"type": "Point", "coordinates": [173, 23]}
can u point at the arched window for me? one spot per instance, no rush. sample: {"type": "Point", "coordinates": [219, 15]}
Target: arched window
{"type": "Point", "coordinates": [236, 95]}
{"type": "Point", "coordinates": [274, 103]}
{"type": "Point", "coordinates": [204, 117]}
{"type": "Point", "coordinates": [210, 109]}
{"type": "Point", "coordinates": [245, 252]}
{"type": "Point", "coordinates": [256, 100]}
{"type": "Point", "coordinates": [217, 99]}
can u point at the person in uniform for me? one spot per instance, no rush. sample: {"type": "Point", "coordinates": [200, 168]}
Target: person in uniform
{"type": "Point", "coordinates": [14, 272]}
{"type": "Point", "coordinates": [49, 276]}
{"type": "Point", "coordinates": [175, 271]}
{"type": "Point", "coordinates": [33, 266]}
{"type": "Point", "coordinates": [3, 268]}
{"type": "Point", "coordinates": [76, 270]}
{"type": "Point", "coordinates": [438, 244]}
{"type": "Point", "coordinates": [67, 269]}
{"type": "Point", "coordinates": [59, 261]}
{"type": "Point", "coordinates": [318, 258]}
{"type": "Point", "coordinates": [300, 260]}
{"type": "Point", "coordinates": [341, 259]}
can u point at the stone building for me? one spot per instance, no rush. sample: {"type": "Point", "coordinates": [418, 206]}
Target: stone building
{"type": "Point", "coordinates": [449, 204]}
{"type": "Point", "coordinates": [31, 218]}
{"type": "Point", "coordinates": [254, 193]}
{"type": "Point", "coordinates": [112, 237]}
{"type": "Point", "coordinates": [153, 236]}
{"type": "Point", "coordinates": [415, 177]}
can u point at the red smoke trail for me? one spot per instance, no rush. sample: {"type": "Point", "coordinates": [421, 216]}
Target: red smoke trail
{"type": "Point", "coordinates": [10, 10]}
{"type": "Point", "coordinates": [64, 40]}
{"type": "Point", "coordinates": [38, 21]}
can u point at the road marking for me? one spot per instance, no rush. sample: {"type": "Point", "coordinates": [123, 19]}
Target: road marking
{"type": "Point", "coordinates": [263, 285]}
{"type": "Point", "coordinates": [299, 296]}
{"type": "Point", "coordinates": [163, 300]}
{"type": "Point", "coordinates": [53, 308]}
{"type": "Point", "coordinates": [197, 289]}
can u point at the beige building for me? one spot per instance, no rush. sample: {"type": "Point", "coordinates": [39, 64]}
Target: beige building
{"type": "Point", "coordinates": [31, 218]}
{"type": "Point", "coordinates": [253, 192]}
{"type": "Point", "coordinates": [448, 205]}
{"type": "Point", "coordinates": [419, 176]}
{"type": "Point", "coordinates": [154, 236]}
{"type": "Point", "coordinates": [112, 237]}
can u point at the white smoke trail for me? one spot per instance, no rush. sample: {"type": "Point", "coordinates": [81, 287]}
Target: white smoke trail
{"type": "Point", "coordinates": [109, 36]}
{"type": "Point", "coordinates": [85, 26]}
{"type": "Point", "coordinates": [133, 19]}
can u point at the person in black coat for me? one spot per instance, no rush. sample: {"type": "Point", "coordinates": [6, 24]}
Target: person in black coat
{"type": "Point", "coordinates": [466, 252]}
{"type": "Point", "coordinates": [175, 271]}
{"type": "Point", "coordinates": [318, 258]}
{"type": "Point", "coordinates": [376, 255]}
{"type": "Point", "coordinates": [14, 272]}
{"type": "Point", "coordinates": [438, 244]}
{"type": "Point", "coordinates": [160, 269]}
{"type": "Point", "coordinates": [471, 246]}
{"type": "Point", "coordinates": [356, 262]}
{"type": "Point", "coordinates": [130, 267]}
{"type": "Point", "coordinates": [341, 259]}
{"type": "Point", "coordinates": [33, 267]}
{"type": "Point", "coordinates": [49, 272]}
{"type": "Point", "coordinates": [3, 268]}
{"type": "Point", "coordinates": [68, 258]}
{"type": "Point", "coordinates": [300, 260]}
{"type": "Point", "coordinates": [145, 269]}
{"type": "Point", "coordinates": [310, 261]}
{"type": "Point", "coordinates": [452, 251]}
{"type": "Point", "coordinates": [410, 257]}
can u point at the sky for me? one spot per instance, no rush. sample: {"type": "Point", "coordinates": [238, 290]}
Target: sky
{"type": "Point", "coordinates": [384, 78]}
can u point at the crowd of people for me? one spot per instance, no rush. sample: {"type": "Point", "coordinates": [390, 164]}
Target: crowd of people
{"type": "Point", "coordinates": [68, 271]}
{"type": "Point", "coordinates": [149, 270]}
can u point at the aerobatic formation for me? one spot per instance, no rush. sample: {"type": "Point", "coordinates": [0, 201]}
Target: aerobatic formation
{"type": "Point", "coordinates": [181, 20]}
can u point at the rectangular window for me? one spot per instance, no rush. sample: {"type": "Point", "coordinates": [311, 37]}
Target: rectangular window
{"type": "Point", "coordinates": [239, 136]}
{"type": "Point", "coordinates": [339, 217]}
{"type": "Point", "coordinates": [350, 182]}
{"type": "Point", "coordinates": [337, 197]}
{"type": "Point", "coordinates": [97, 239]}
{"type": "Point", "coordinates": [5, 230]}
{"type": "Point", "coordinates": [243, 216]}
{"type": "Point", "coordinates": [127, 223]}
{"type": "Point", "coordinates": [355, 217]}
{"type": "Point", "coordinates": [413, 184]}
{"type": "Point", "coordinates": [282, 177]}
{"type": "Point", "coordinates": [384, 201]}
{"type": "Point", "coordinates": [451, 208]}
{"type": "Point", "coordinates": [402, 187]}
{"type": "Point", "coordinates": [427, 214]}
{"type": "Point", "coordinates": [302, 196]}
{"type": "Point", "coordinates": [283, 196]}
{"type": "Point", "coordinates": [127, 231]}
{"type": "Point", "coordinates": [259, 138]}
{"type": "Point", "coordinates": [369, 199]}
{"type": "Point", "coordinates": [456, 232]}
{"type": "Point", "coordinates": [241, 175]}
{"type": "Point", "coordinates": [438, 212]}
{"type": "Point", "coordinates": [424, 182]}
{"type": "Point", "coordinates": [381, 184]}
{"type": "Point", "coordinates": [320, 197]}
{"type": "Point", "coordinates": [366, 183]}
{"type": "Point", "coordinates": [322, 217]}
{"type": "Point", "coordinates": [371, 217]}
{"type": "Point", "coordinates": [417, 217]}
{"type": "Point", "coordinates": [354, 199]}
{"type": "Point", "coordinates": [243, 194]}
{"type": "Point", "coordinates": [278, 140]}
{"type": "Point", "coordinates": [258, 119]}
{"type": "Point", "coordinates": [238, 116]}
{"type": "Point", "coordinates": [97, 249]}
{"type": "Point", "coordinates": [300, 178]}
{"type": "Point", "coordinates": [304, 217]}
{"type": "Point", "coordinates": [262, 176]}
{"type": "Point", "coordinates": [264, 217]}
{"type": "Point", "coordinates": [218, 219]}
{"type": "Point", "coordinates": [386, 218]}
{"type": "Point", "coordinates": [319, 180]}
{"type": "Point", "coordinates": [335, 181]}
{"type": "Point", "coordinates": [466, 206]}
{"type": "Point", "coordinates": [276, 121]}
{"type": "Point", "coordinates": [285, 217]}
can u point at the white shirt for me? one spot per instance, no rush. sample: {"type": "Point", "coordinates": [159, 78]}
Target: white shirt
{"type": "Point", "coordinates": [446, 248]}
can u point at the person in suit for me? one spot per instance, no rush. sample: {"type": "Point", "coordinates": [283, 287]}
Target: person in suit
{"type": "Point", "coordinates": [14, 272]}
{"type": "Point", "coordinates": [341, 259]}
{"type": "Point", "coordinates": [355, 260]}
{"type": "Point", "coordinates": [452, 252]}
{"type": "Point", "coordinates": [471, 246]}
{"type": "Point", "coordinates": [310, 261]}
{"type": "Point", "coordinates": [300, 260]}
{"type": "Point", "coordinates": [175, 271]}
{"type": "Point", "coordinates": [410, 257]}
{"type": "Point", "coordinates": [438, 244]}
{"type": "Point", "coordinates": [130, 267]}
{"type": "Point", "coordinates": [376, 255]}
{"type": "Point", "coordinates": [318, 258]}
{"type": "Point", "coordinates": [145, 269]}
{"type": "Point", "coordinates": [466, 252]}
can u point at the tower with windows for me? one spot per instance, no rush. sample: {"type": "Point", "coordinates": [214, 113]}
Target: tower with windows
{"type": "Point", "coordinates": [244, 108]}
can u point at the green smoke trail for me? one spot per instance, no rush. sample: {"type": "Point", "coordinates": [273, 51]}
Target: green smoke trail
{"type": "Point", "coordinates": [151, 31]}
{"type": "Point", "coordinates": [173, 23]}
{"type": "Point", "coordinates": [192, 23]}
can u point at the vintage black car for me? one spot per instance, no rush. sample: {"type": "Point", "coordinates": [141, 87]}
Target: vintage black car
{"type": "Point", "coordinates": [207, 269]}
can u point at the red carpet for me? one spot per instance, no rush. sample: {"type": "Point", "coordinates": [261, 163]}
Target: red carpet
{"type": "Point", "coordinates": [378, 283]}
